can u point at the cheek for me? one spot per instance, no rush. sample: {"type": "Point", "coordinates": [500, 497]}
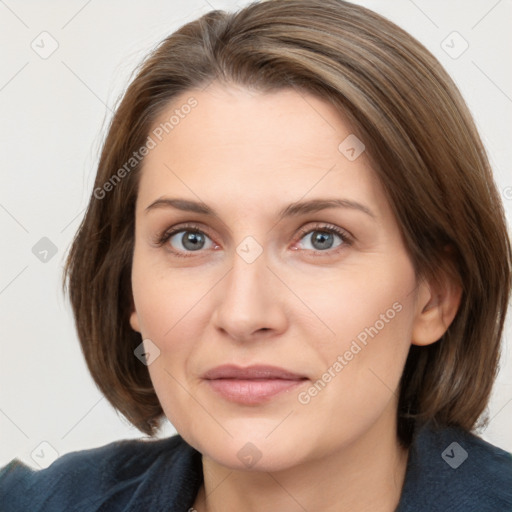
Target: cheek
{"type": "Point", "coordinates": [360, 300]}
{"type": "Point", "coordinates": [171, 318]}
{"type": "Point", "coordinates": [171, 314]}
{"type": "Point", "coordinates": [163, 296]}
{"type": "Point", "coordinates": [369, 312]}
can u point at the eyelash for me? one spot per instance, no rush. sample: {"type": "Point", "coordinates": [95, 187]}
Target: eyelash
{"type": "Point", "coordinates": [346, 239]}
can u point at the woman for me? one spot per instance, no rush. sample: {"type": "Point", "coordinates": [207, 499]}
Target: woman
{"type": "Point", "coordinates": [295, 251]}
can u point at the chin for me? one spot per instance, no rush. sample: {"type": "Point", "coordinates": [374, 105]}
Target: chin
{"type": "Point", "coordinates": [251, 457]}
{"type": "Point", "coordinates": [253, 450]}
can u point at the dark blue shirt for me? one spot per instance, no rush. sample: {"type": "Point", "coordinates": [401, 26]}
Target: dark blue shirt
{"type": "Point", "coordinates": [447, 470]}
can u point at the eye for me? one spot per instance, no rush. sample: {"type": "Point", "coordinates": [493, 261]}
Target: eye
{"type": "Point", "coordinates": [325, 238]}
{"type": "Point", "coordinates": [186, 239]}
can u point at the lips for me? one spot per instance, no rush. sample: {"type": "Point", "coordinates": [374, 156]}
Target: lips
{"type": "Point", "coordinates": [251, 372]}
{"type": "Point", "coordinates": [251, 385]}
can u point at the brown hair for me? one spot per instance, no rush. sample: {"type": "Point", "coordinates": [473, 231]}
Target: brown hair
{"type": "Point", "coordinates": [424, 148]}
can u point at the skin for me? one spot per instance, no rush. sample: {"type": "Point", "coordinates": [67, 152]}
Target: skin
{"type": "Point", "coordinates": [298, 306]}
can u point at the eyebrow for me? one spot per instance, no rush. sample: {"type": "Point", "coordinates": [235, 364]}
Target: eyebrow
{"type": "Point", "coordinates": [292, 210]}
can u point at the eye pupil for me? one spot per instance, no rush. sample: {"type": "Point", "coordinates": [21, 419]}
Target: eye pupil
{"type": "Point", "coordinates": [193, 241]}
{"type": "Point", "coordinates": [325, 239]}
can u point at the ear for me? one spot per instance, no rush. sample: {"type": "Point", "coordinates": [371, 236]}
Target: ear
{"type": "Point", "coordinates": [436, 306]}
{"type": "Point", "coordinates": [134, 317]}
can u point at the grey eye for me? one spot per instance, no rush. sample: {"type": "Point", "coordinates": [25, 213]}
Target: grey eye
{"type": "Point", "coordinates": [189, 240]}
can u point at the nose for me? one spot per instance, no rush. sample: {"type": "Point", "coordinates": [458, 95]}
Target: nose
{"type": "Point", "coordinates": [250, 301]}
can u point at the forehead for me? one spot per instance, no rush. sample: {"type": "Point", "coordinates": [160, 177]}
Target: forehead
{"type": "Point", "coordinates": [236, 143]}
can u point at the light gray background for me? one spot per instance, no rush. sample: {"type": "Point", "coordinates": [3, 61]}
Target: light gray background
{"type": "Point", "coordinates": [54, 112]}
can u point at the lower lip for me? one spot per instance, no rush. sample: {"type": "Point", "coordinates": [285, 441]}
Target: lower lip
{"type": "Point", "coordinates": [252, 391]}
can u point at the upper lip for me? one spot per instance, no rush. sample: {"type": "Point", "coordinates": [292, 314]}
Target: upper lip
{"type": "Point", "coordinates": [230, 371]}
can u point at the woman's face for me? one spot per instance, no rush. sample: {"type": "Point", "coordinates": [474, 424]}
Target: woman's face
{"type": "Point", "coordinates": [260, 273]}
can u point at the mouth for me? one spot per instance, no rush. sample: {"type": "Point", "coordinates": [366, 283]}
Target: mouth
{"type": "Point", "coordinates": [251, 385]}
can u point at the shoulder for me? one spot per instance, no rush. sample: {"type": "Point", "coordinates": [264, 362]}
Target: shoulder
{"type": "Point", "coordinates": [453, 469]}
{"type": "Point", "coordinates": [123, 475]}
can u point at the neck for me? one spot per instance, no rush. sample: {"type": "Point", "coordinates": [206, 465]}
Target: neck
{"type": "Point", "coordinates": [367, 475]}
